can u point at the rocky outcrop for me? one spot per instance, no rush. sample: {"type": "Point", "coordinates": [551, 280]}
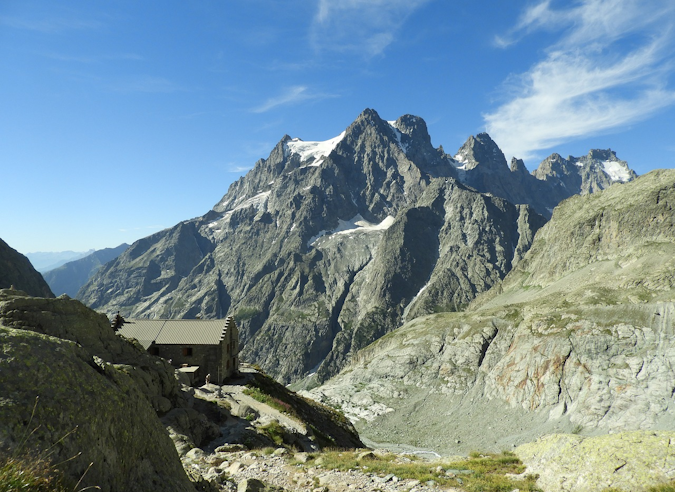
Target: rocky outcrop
{"type": "Point", "coordinates": [482, 165]}
{"type": "Point", "coordinates": [325, 246]}
{"type": "Point", "coordinates": [16, 271]}
{"type": "Point", "coordinates": [69, 278]}
{"type": "Point", "coordinates": [578, 337]}
{"type": "Point", "coordinates": [86, 415]}
{"type": "Point", "coordinates": [68, 319]}
{"type": "Point", "coordinates": [625, 461]}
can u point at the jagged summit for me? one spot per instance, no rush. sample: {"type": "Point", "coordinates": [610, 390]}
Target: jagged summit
{"type": "Point", "coordinates": [480, 150]}
{"type": "Point", "coordinates": [580, 175]}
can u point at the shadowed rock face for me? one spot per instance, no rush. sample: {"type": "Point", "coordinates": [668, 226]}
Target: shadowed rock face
{"type": "Point", "coordinates": [16, 270]}
{"type": "Point", "coordinates": [325, 246]}
{"type": "Point", "coordinates": [577, 337]}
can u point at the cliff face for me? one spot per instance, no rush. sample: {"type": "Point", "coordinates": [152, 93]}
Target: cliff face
{"type": "Point", "coordinates": [16, 270]}
{"type": "Point", "coordinates": [577, 337]}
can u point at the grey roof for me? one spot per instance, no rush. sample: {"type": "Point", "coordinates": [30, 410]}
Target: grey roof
{"type": "Point", "coordinates": [175, 331]}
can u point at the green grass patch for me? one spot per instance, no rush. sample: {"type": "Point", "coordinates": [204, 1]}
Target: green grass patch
{"type": "Point", "coordinates": [666, 487]}
{"type": "Point", "coordinates": [274, 431]}
{"type": "Point", "coordinates": [478, 473]}
{"type": "Point", "coordinates": [29, 473]}
{"type": "Point", "coordinates": [276, 403]}
{"type": "Point", "coordinates": [332, 427]}
{"type": "Point", "coordinates": [246, 313]}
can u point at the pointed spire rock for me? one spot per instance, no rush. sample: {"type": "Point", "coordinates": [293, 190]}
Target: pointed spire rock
{"type": "Point", "coordinates": [518, 166]}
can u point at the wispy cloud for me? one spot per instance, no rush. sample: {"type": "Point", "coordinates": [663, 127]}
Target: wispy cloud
{"type": "Point", "coordinates": [291, 95]}
{"type": "Point", "coordinates": [366, 27]}
{"type": "Point", "coordinates": [50, 25]}
{"type": "Point", "coordinates": [609, 67]}
{"type": "Point", "coordinates": [239, 169]}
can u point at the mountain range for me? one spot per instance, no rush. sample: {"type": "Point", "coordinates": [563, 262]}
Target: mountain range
{"type": "Point", "coordinates": [71, 276]}
{"type": "Point", "coordinates": [44, 261]}
{"type": "Point", "coordinates": [324, 247]}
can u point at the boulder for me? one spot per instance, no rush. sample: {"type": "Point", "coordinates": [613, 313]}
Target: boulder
{"type": "Point", "coordinates": [78, 409]}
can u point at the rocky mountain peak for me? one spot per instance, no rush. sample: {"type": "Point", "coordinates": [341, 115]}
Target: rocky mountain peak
{"type": "Point", "coordinates": [518, 166]}
{"type": "Point", "coordinates": [554, 166]}
{"type": "Point", "coordinates": [414, 127]}
{"type": "Point", "coordinates": [602, 154]}
{"type": "Point", "coordinates": [367, 118]}
{"type": "Point", "coordinates": [481, 150]}
{"type": "Point", "coordinates": [593, 172]}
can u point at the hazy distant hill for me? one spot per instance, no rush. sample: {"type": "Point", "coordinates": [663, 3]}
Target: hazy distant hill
{"type": "Point", "coordinates": [69, 278]}
{"type": "Point", "coordinates": [45, 261]}
{"type": "Point", "coordinates": [17, 271]}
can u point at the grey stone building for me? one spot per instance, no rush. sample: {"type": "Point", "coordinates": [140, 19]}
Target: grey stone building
{"type": "Point", "coordinates": [197, 347]}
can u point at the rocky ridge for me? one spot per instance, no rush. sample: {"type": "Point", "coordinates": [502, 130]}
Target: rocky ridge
{"type": "Point", "coordinates": [578, 337]}
{"type": "Point", "coordinates": [325, 246]}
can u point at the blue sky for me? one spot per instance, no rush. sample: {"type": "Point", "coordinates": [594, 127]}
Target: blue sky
{"type": "Point", "coordinates": [118, 119]}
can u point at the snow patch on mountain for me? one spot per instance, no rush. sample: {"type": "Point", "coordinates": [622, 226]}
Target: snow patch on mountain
{"type": "Point", "coordinates": [398, 133]}
{"type": "Point", "coordinates": [616, 171]}
{"type": "Point", "coordinates": [459, 161]}
{"type": "Point", "coordinates": [258, 201]}
{"type": "Point", "coordinates": [355, 224]}
{"type": "Point", "coordinates": [314, 152]}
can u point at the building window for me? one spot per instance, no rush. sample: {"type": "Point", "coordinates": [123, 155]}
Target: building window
{"type": "Point", "coordinates": [153, 349]}
{"type": "Point", "coordinates": [187, 351]}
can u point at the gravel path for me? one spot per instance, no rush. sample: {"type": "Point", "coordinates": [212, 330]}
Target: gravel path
{"type": "Point", "coordinates": [229, 468]}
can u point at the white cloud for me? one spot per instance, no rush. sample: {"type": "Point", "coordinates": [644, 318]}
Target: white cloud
{"type": "Point", "coordinates": [609, 67]}
{"type": "Point", "coordinates": [291, 95]}
{"type": "Point", "coordinates": [363, 26]}
{"type": "Point", "coordinates": [239, 169]}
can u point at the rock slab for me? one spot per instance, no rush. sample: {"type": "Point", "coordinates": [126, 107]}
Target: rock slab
{"type": "Point", "coordinates": [626, 461]}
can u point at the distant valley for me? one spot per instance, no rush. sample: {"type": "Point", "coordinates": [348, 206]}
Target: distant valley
{"type": "Point", "coordinates": [71, 276]}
